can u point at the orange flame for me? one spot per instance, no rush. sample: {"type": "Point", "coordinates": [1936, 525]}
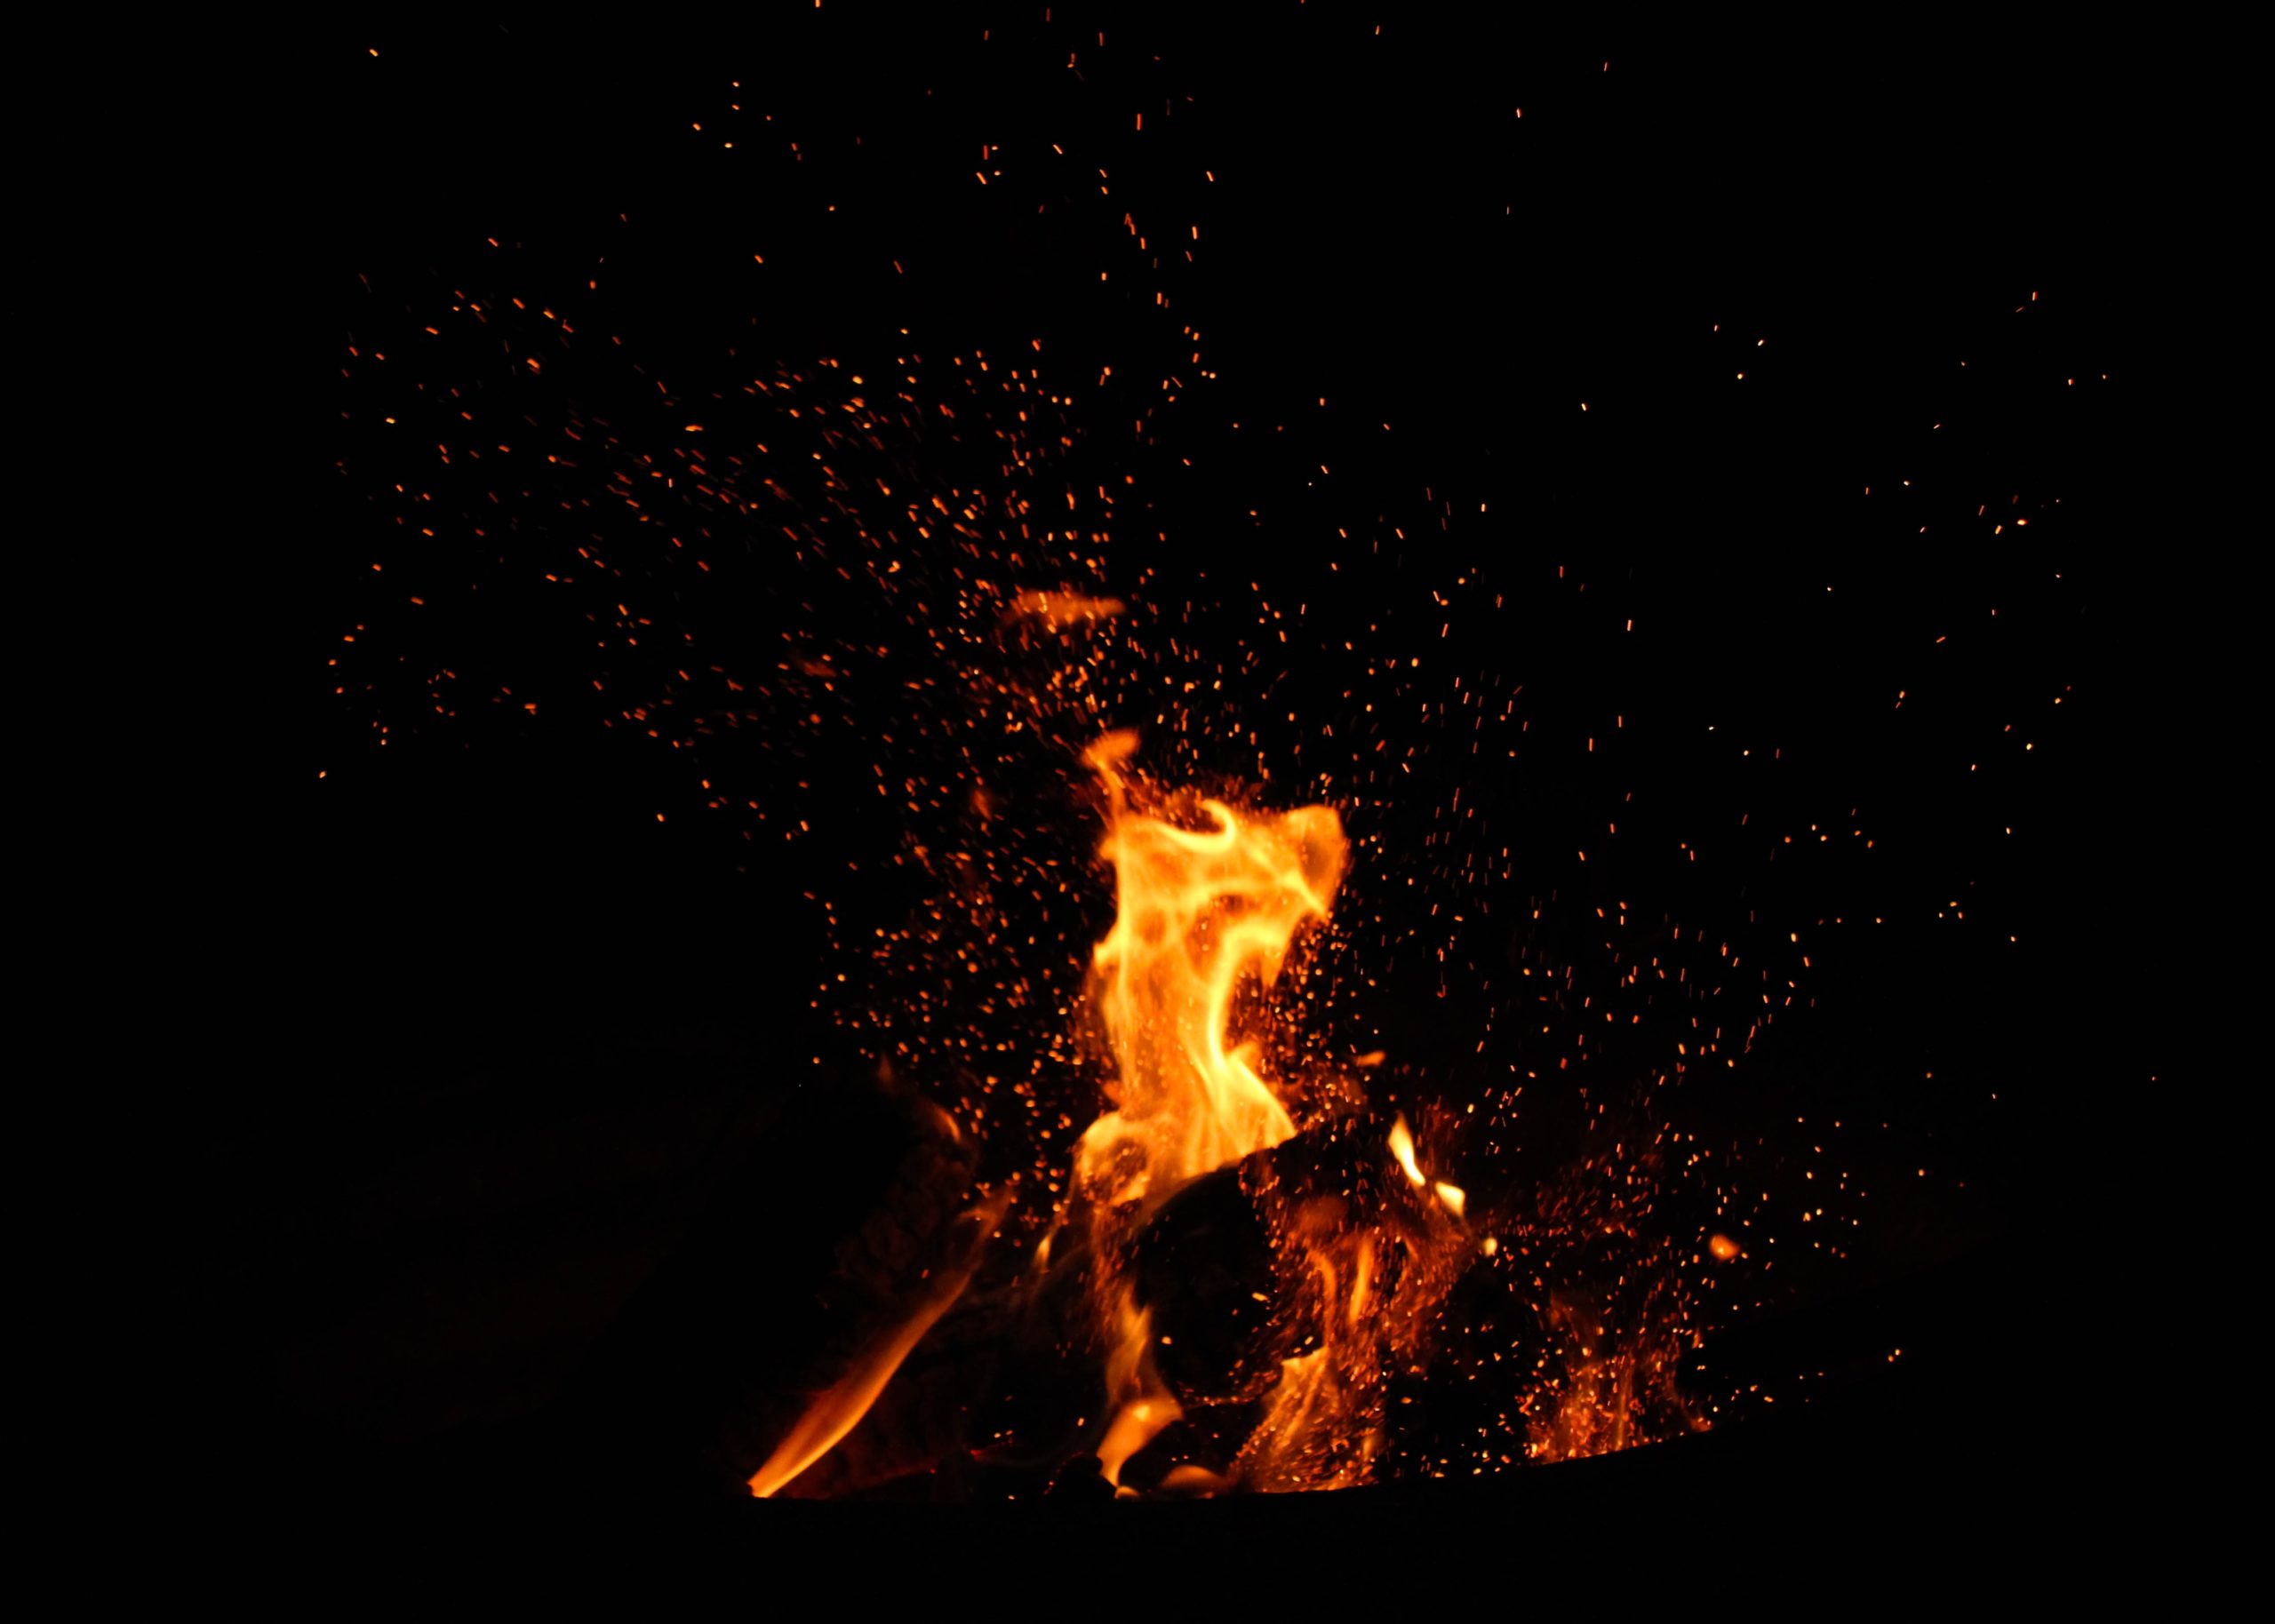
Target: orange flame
{"type": "Point", "coordinates": [1210, 901]}
{"type": "Point", "coordinates": [837, 1410]}
{"type": "Point", "coordinates": [1199, 911]}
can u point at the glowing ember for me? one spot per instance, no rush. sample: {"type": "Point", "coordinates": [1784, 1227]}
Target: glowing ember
{"type": "Point", "coordinates": [1191, 988]}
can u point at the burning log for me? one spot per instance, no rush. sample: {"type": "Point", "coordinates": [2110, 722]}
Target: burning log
{"type": "Point", "coordinates": [1273, 1291]}
{"type": "Point", "coordinates": [1225, 1263]}
{"type": "Point", "coordinates": [1237, 1284]}
{"type": "Point", "coordinates": [1222, 1270]}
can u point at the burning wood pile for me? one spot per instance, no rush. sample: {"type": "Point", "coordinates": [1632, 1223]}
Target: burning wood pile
{"type": "Point", "coordinates": [1243, 1261]}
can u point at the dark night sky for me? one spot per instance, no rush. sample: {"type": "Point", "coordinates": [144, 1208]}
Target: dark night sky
{"type": "Point", "coordinates": [498, 1016]}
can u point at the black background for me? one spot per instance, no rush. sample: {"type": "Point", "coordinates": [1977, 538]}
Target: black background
{"type": "Point", "coordinates": [490, 1030]}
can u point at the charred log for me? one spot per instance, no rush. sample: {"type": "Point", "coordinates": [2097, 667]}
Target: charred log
{"type": "Point", "coordinates": [1222, 1263]}
{"type": "Point", "coordinates": [1204, 1267]}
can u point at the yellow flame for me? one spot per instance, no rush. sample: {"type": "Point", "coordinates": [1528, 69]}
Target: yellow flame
{"type": "Point", "coordinates": [1135, 1426]}
{"type": "Point", "coordinates": [840, 1407]}
{"type": "Point", "coordinates": [1402, 1146]}
{"type": "Point", "coordinates": [1199, 913]}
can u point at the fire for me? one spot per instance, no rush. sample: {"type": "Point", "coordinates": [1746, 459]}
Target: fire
{"type": "Point", "coordinates": [836, 1412]}
{"type": "Point", "coordinates": [1327, 1245]}
{"type": "Point", "coordinates": [1185, 981]}
{"type": "Point", "coordinates": [1199, 911]}
{"type": "Point", "coordinates": [1619, 1385]}
{"type": "Point", "coordinates": [1402, 1146]}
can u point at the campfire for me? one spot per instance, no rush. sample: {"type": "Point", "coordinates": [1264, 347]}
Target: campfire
{"type": "Point", "coordinates": [1244, 1254]}
{"type": "Point", "coordinates": [1286, 839]}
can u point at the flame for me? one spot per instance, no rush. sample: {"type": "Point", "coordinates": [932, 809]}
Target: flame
{"type": "Point", "coordinates": [1146, 1406]}
{"type": "Point", "coordinates": [1402, 1146]}
{"type": "Point", "coordinates": [1210, 902]}
{"type": "Point", "coordinates": [1135, 1426]}
{"type": "Point", "coordinates": [840, 1407]}
{"type": "Point", "coordinates": [1199, 913]}
{"type": "Point", "coordinates": [1365, 1278]}
{"type": "Point", "coordinates": [1274, 1457]}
